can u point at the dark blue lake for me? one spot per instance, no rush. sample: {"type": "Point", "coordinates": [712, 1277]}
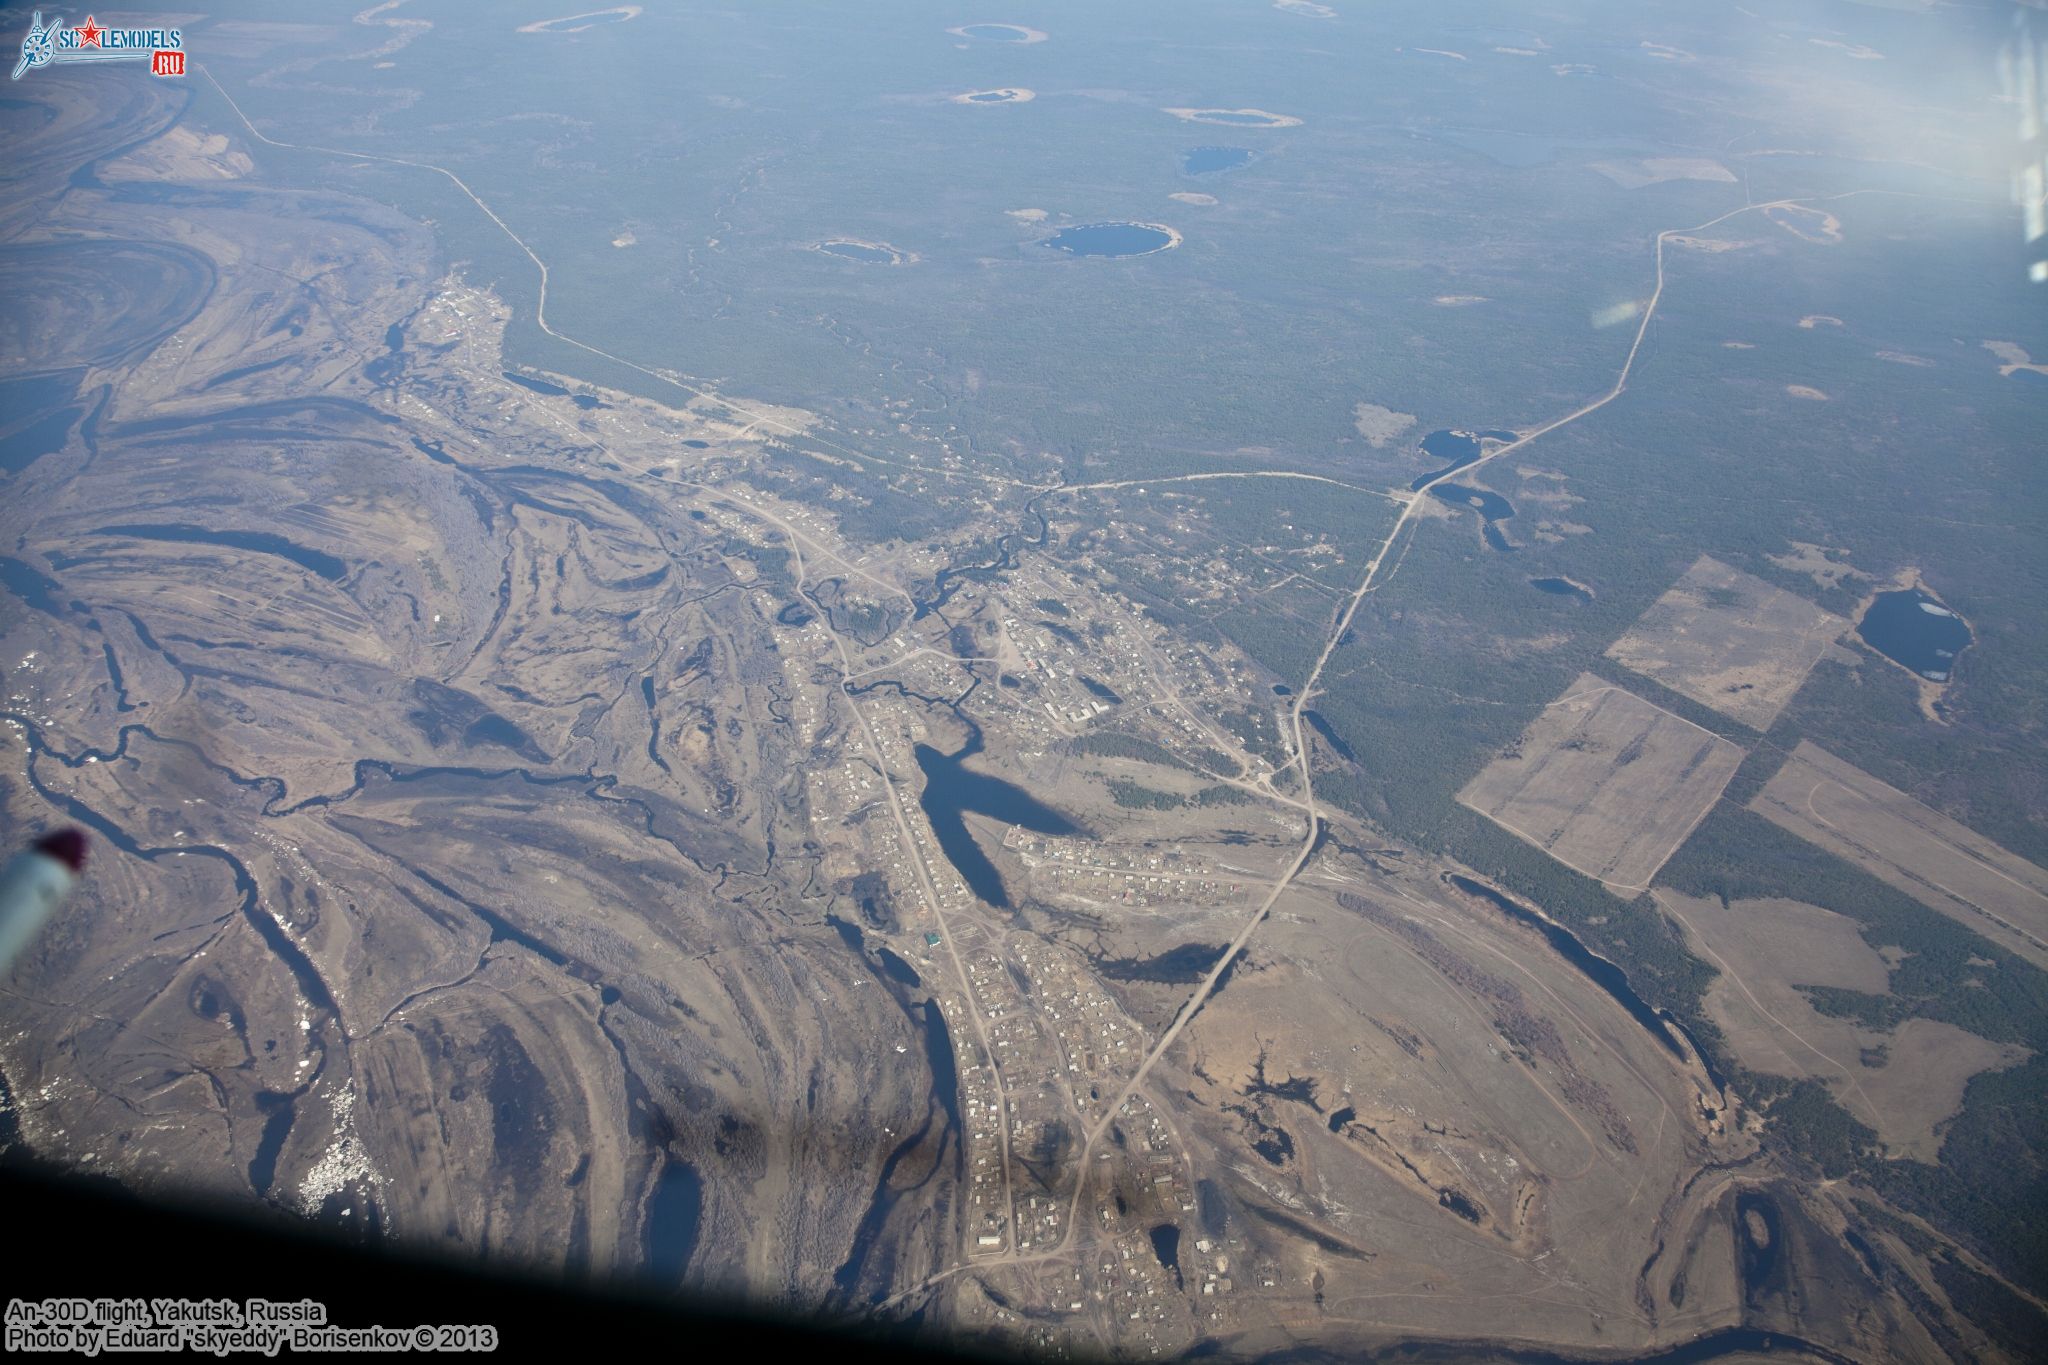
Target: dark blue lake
{"type": "Point", "coordinates": [950, 789]}
{"type": "Point", "coordinates": [1112, 239]}
{"type": "Point", "coordinates": [278, 1115]}
{"type": "Point", "coordinates": [899, 971]}
{"type": "Point", "coordinates": [537, 385]}
{"type": "Point", "coordinates": [37, 438]}
{"type": "Point", "coordinates": [1490, 505]}
{"type": "Point", "coordinates": [1211, 160]}
{"type": "Point", "coordinates": [49, 431]}
{"type": "Point", "coordinates": [1560, 587]}
{"type": "Point", "coordinates": [1459, 448]}
{"type": "Point", "coordinates": [672, 1217]}
{"type": "Point", "coordinates": [1166, 1246]}
{"type": "Point", "coordinates": [1913, 629]}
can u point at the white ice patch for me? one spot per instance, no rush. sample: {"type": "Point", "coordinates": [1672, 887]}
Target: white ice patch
{"type": "Point", "coordinates": [344, 1161]}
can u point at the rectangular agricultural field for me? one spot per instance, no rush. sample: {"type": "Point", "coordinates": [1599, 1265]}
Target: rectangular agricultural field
{"type": "Point", "coordinates": [1605, 782]}
{"type": "Point", "coordinates": [1920, 851]}
{"type": "Point", "coordinates": [1729, 641]}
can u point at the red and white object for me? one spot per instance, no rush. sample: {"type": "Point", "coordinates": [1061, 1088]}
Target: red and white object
{"type": "Point", "coordinates": [33, 885]}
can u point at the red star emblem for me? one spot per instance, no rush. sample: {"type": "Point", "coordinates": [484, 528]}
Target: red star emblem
{"type": "Point", "coordinates": [89, 33]}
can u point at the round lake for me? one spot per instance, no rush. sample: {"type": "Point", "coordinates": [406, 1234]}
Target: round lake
{"type": "Point", "coordinates": [1114, 239]}
{"type": "Point", "coordinates": [1913, 629]}
{"type": "Point", "coordinates": [1214, 160]}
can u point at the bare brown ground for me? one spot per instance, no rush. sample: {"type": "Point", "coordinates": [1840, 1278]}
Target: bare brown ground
{"type": "Point", "coordinates": [1730, 641]}
{"type": "Point", "coordinates": [1925, 854]}
{"type": "Point", "coordinates": [1905, 1083]}
{"type": "Point", "coordinates": [1605, 783]}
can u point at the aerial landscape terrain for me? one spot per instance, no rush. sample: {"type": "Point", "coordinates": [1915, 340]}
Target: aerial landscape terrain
{"type": "Point", "coordinates": [1246, 680]}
